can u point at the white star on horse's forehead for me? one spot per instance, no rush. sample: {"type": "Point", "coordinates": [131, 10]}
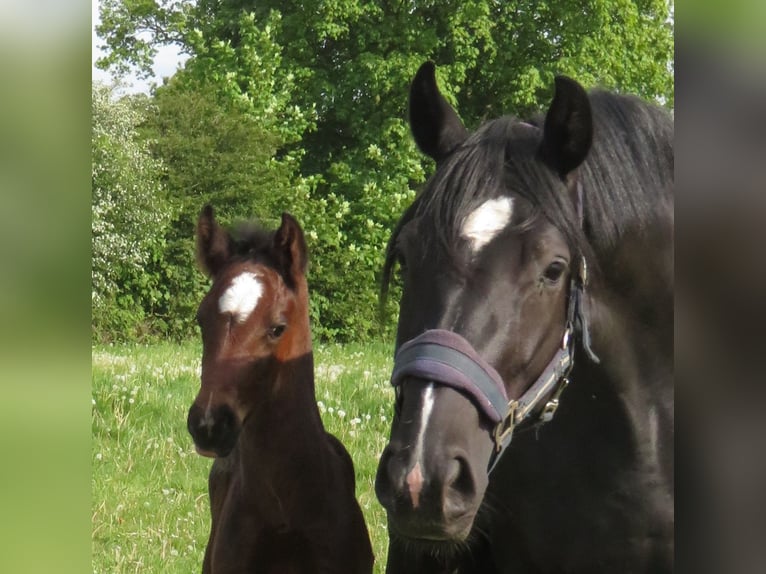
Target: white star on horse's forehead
{"type": "Point", "coordinates": [486, 221]}
{"type": "Point", "coordinates": [241, 297]}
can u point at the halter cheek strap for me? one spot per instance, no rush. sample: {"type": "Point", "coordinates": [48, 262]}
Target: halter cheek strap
{"type": "Point", "coordinates": [555, 377]}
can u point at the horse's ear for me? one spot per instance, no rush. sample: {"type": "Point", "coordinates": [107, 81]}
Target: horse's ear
{"type": "Point", "coordinates": [290, 249]}
{"type": "Point", "coordinates": [213, 242]}
{"type": "Point", "coordinates": [436, 127]}
{"type": "Point", "coordinates": [568, 131]}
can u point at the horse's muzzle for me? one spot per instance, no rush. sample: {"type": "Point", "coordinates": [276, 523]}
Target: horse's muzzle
{"type": "Point", "coordinates": [436, 501]}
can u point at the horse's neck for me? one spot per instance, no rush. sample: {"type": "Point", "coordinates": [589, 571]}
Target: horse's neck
{"type": "Point", "coordinates": [632, 336]}
{"type": "Point", "coordinates": [632, 302]}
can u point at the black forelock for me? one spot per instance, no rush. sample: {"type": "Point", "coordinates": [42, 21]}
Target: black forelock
{"type": "Point", "coordinates": [252, 241]}
{"type": "Point", "coordinates": [475, 172]}
{"type": "Point", "coordinates": [500, 158]}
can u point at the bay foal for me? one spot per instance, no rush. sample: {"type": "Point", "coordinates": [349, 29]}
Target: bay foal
{"type": "Point", "coordinates": [281, 488]}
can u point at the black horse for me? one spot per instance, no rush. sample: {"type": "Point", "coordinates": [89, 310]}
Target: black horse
{"type": "Point", "coordinates": [537, 268]}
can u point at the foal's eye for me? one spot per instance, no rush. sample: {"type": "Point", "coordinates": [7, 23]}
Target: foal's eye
{"type": "Point", "coordinates": [554, 271]}
{"type": "Point", "coordinates": [276, 331]}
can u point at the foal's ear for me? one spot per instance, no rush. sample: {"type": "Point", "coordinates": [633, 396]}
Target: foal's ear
{"type": "Point", "coordinates": [568, 131]}
{"type": "Point", "coordinates": [436, 127]}
{"type": "Point", "coordinates": [290, 249]}
{"type": "Point", "coordinates": [213, 243]}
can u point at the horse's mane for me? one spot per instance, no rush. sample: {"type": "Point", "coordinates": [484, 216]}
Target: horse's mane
{"type": "Point", "coordinates": [626, 178]}
{"type": "Point", "coordinates": [628, 175]}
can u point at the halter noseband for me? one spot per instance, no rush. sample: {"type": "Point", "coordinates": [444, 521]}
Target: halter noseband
{"type": "Point", "coordinates": [446, 358]}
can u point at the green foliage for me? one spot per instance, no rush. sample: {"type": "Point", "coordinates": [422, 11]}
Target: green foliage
{"type": "Point", "coordinates": [128, 219]}
{"type": "Point", "coordinates": [223, 130]}
{"type": "Point", "coordinates": [329, 79]}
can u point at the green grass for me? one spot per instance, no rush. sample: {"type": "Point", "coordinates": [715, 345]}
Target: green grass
{"type": "Point", "coordinates": [150, 508]}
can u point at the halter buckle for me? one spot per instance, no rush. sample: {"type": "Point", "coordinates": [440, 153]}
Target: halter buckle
{"type": "Point", "coordinates": [549, 410]}
{"type": "Point", "coordinates": [583, 272]}
{"type": "Point", "coordinates": [553, 403]}
{"type": "Point", "coordinates": [567, 335]}
{"type": "Point", "coordinates": [504, 428]}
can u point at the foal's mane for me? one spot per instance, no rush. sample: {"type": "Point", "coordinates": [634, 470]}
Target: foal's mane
{"type": "Point", "coordinates": [251, 241]}
{"type": "Point", "coordinates": [626, 178]}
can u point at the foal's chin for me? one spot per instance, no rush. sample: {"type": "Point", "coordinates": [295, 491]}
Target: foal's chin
{"type": "Point", "coordinates": [216, 451]}
{"type": "Point", "coordinates": [205, 453]}
{"type": "Point", "coordinates": [211, 453]}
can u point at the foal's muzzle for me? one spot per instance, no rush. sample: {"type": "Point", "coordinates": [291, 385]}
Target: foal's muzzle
{"type": "Point", "coordinates": [215, 430]}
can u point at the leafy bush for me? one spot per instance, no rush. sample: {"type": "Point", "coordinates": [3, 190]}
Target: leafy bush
{"type": "Point", "coordinates": [304, 109]}
{"type": "Point", "coordinates": [129, 215]}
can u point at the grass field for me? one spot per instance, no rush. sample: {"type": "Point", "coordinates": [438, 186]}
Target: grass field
{"type": "Point", "coordinates": [150, 507]}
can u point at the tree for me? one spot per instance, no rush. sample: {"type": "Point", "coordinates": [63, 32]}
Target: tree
{"type": "Point", "coordinates": [350, 63]}
{"type": "Point", "coordinates": [214, 150]}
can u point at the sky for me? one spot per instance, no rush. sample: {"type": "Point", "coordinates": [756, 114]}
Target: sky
{"type": "Point", "coordinates": [165, 63]}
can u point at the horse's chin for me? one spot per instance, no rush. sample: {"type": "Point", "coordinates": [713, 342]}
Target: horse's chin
{"type": "Point", "coordinates": [440, 542]}
{"type": "Point", "coordinates": [445, 548]}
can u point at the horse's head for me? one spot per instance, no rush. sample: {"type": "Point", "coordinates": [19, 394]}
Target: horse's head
{"type": "Point", "coordinates": [253, 320]}
{"type": "Point", "coordinates": [486, 253]}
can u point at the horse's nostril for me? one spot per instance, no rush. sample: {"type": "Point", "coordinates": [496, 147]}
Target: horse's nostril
{"type": "Point", "coordinates": [459, 486]}
{"type": "Point", "coordinates": [452, 471]}
{"type": "Point", "coordinates": [386, 476]}
{"type": "Point", "coordinates": [460, 495]}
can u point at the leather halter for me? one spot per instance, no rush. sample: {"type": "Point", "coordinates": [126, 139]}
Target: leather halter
{"type": "Point", "coordinates": [446, 358]}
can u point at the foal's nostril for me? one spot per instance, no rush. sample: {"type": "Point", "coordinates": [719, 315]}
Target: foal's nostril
{"type": "Point", "coordinates": [195, 414]}
{"type": "Point", "coordinates": [225, 420]}
{"type": "Point", "coordinates": [207, 421]}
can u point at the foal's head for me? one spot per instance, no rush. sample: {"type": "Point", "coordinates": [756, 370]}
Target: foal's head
{"type": "Point", "coordinates": [254, 319]}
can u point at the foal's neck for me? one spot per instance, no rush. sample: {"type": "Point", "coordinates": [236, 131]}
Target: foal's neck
{"type": "Point", "coordinates": [283, 439]}
{"type": "Point", "coordinates": [287, 406]}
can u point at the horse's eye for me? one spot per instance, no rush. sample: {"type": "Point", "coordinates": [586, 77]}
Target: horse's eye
{"type": "Point", "coordinates": [276, 331]}
{"type": "Point", "coordinates": [554, 271]}
{"type": "Point", "coordinates": [402, 263]}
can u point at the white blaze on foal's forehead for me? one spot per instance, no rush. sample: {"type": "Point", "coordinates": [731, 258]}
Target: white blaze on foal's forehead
{"type": "Point", "coordinates": [241, 297]}
{"type": "Point", "coordinates": [486, 221]}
